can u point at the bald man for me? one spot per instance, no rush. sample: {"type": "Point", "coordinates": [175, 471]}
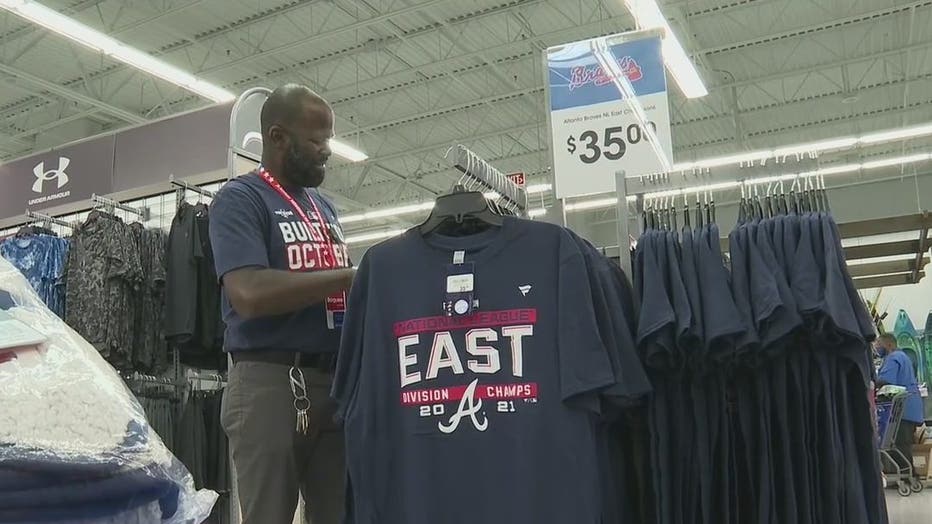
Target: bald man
{"type": "Point", "coordinates": [284, 269]}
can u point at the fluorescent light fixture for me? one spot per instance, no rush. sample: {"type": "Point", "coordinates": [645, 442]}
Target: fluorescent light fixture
{"type": "Point", "coordinates": [836, 170]}
{"type": "Point", "coordinates": [373, 237]}
{"type": "Point", "coordinates": [538, 188]}
{"type": "Point", "coordinates": [812, 147]}
{"type": "Point", "coordinates": [591, 204]}
{"type": "Point", "coordinates": [742, 158]}
{"type": "Point", "coordinates": [347, 151]}
{"type": "Point", "coordinates": [537, 212]}
{"type": "Point", "coordinates": [897, 134]}
{"type": "Point", "coordinates": [388, 212]}
{"type": "Point", "coordinates": [98, 41]}
{"type": "Point", "coordinates": [583, 205]}
{"type": "Point", "coordinates": [648, 16]}
{"type": "Point", "coordinates": [912, 159]}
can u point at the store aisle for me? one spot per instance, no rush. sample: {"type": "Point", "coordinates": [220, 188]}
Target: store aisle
{"type": "Point", "coordinates": [908, 510]}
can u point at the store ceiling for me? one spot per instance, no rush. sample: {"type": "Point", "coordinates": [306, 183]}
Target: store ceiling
{"type": "Point", "coordinates": [409, 78]}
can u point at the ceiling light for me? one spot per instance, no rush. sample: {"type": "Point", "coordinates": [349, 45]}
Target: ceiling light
{"type": "Point", "coordinates": [347, 151]}
{"type": "Point", "coordinates": [388, 212]}
{"type": "Point", "coordinates": [538, 188]}
{"type": "Point", "coordinates": [912, 159]}
{"type": "Point", "coordinates": [591, 204]}
{"type": "Point", "coordinates": [98, 41]}
{"type": "Point", "coordinates": [742, 158]}
{"type": "Point", "coordinates": [897, 134]}
{"type": "Point", "coordinates": [534, 213]}
{"type": "Point", "coordinates": [372, 237]}
{"type": "Point", "coordinates": [836, 170]}
{"type": "Point", "coordinates": [648, 16]}
{"type": "Point", "coordinates": [813, 147]}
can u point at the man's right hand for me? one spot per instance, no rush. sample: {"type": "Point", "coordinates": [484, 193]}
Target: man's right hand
{"type": "Point", "coordinates": [261, 292]}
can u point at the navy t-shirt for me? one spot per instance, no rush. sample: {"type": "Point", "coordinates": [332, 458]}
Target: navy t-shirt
{"type": "Point", "coordinates": [486, 418]}
{"type": "Point", "coordinates": [252, 225]}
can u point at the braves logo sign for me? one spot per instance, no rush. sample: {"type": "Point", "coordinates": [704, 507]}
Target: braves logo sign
{"type": "Point", "coordinates": [581, 76]}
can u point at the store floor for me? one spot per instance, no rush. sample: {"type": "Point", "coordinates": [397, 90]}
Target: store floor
{"type": "Point", "coordinates": [914, 509]}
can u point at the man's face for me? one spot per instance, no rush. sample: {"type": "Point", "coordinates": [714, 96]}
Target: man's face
{"type": "Point", "coordinates": [305, 158]}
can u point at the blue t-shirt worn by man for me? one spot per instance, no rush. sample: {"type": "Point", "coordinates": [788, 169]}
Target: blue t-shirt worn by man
{"type": "Point", "coordinates": [898, 370]}
{"type": "Point", "coordinates": [252, 225]}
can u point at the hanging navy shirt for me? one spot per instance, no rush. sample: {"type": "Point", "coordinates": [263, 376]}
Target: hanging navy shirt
{"type": "Point", "coordinates": [251, 225]}
{"type": "Point", "coordinates": [483, 418]}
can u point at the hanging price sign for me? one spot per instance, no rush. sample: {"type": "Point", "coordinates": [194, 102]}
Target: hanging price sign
{"type": "Point", "coordinates": [608, 98]}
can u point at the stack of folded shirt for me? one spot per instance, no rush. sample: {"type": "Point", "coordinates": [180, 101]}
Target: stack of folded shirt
{"type": "Point", "coordinates": [74, 443]}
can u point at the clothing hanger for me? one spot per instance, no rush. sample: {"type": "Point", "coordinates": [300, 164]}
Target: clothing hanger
{"type": "Point", "coordinates": [458, 208]}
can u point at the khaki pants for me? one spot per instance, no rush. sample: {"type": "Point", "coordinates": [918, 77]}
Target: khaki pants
{"type": "Point", "coordinates": [272, 461]}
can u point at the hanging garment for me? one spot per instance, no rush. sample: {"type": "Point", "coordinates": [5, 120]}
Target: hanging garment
{"type": "Point", "coordinates": [150, 350]}
{"type": "Point", "coordinates": [192, 292]}
{"type": "Point", "coordinates": [508, 396]}
{"type": "Point", "coordinates": [103, 272]}
{"type": "Point", "coordinates": [780, 428]}
{"type": "Point", "coordinates": [41, 258]}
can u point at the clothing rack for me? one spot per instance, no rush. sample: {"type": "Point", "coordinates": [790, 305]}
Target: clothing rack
{"type": "Point", "coordinates": [40, 217]}
{"type": "Point", "coordinates": [110, 205]}
{"type": "Point", "coordinates": [198, 379]}
{"type": "Point", "coordinates": [478, 170]}
{"type": "Point", "coordinates": [184, 186]}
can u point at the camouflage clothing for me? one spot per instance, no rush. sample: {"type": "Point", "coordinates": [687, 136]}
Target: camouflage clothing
{"type": "Point", "coordinates": [104, 274]}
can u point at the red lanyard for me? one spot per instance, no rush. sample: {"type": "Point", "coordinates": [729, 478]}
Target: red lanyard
{"type": "Point", "coordinates": [274, 184]}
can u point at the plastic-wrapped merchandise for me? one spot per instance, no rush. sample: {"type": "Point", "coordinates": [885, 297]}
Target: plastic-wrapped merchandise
{"type": "Point", "coordinates": [75, 446]}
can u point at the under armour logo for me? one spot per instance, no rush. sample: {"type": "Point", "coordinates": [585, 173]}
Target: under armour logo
{"type": "Point", "coordinates": [469, 407]}
{"type": "Point", "coordinates": [525, 289]}
{"type": "Point", "coordinates": [52, 174]}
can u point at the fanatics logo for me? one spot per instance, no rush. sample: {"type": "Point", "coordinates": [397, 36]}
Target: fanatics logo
{"type": "Point", "coordinates": [525, 289]}
{"type": "Point", "coordinates": [284, 213]}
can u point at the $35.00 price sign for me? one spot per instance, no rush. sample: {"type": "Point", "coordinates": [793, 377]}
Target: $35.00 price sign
{"type": "Point", "coordinates": [611, 143]}
{"type": "Point", "coordinates": [594, 131]}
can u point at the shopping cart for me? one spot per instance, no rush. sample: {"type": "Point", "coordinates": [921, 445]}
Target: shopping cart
{"type": "Point", "coordinates": [890, 411]}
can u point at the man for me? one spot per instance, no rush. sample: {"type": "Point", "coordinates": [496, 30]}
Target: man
{"type": "Point", "coordinates": [284, 268]}
{"type": "Point", "coordinates": [897, 369]}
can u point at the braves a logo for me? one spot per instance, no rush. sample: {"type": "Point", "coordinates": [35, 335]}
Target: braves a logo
{"type": "Point", "coordinates": [470, 407]}
{"type": "Point", "coordinates": [58, 175]}
{"type": "Point", "coordinates": [581, 76]}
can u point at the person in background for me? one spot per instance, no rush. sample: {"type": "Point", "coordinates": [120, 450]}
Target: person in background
{"type": "Point", "coordinates": [284, 269]}
{"type": "Point", "coordinates": [897, 369]}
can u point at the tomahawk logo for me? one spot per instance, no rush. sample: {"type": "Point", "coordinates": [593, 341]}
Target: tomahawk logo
{"type": "Point", "coordinates": [469, 407]}
{"type": "Point", "coordinates": [59, 174]}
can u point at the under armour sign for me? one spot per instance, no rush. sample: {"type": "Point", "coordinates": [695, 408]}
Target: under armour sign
{"type": "Point", "coordinates": [47, 180]}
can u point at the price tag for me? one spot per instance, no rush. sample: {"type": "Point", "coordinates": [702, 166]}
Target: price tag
{"type": "Point", "coordinates": [595, 131]}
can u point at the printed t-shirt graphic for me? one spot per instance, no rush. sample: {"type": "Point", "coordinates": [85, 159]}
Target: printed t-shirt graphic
{"type": "Point", "coordinates": [252, 225]}
{"type": "Point", "coordinates": [484, 418]}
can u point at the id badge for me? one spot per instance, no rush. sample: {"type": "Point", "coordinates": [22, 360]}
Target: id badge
{"type": "Point", "coordinates": [336, 310]}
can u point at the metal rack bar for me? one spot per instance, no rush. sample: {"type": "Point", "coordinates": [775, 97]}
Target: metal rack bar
{"type": "Point", "coordinates": [474, 167]}
{"type": "Point", "coordinates": [41, 217]}
{"type": "Point", "coordinates": [142, 212]}
{"type": "Point", "coordinates": [191, 187]}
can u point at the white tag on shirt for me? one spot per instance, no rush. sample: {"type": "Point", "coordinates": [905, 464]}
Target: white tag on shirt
{"type": "Point", "coordinates": [460, 283]}
{"type": "Point", "coordinates": [459, 257]}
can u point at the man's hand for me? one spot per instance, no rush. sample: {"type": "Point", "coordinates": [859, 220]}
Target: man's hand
{"type": "Point", "coordinates": [260, 292]}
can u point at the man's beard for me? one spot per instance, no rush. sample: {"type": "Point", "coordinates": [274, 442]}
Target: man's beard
{"type": "Point", "coordinates": [302, 170]}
